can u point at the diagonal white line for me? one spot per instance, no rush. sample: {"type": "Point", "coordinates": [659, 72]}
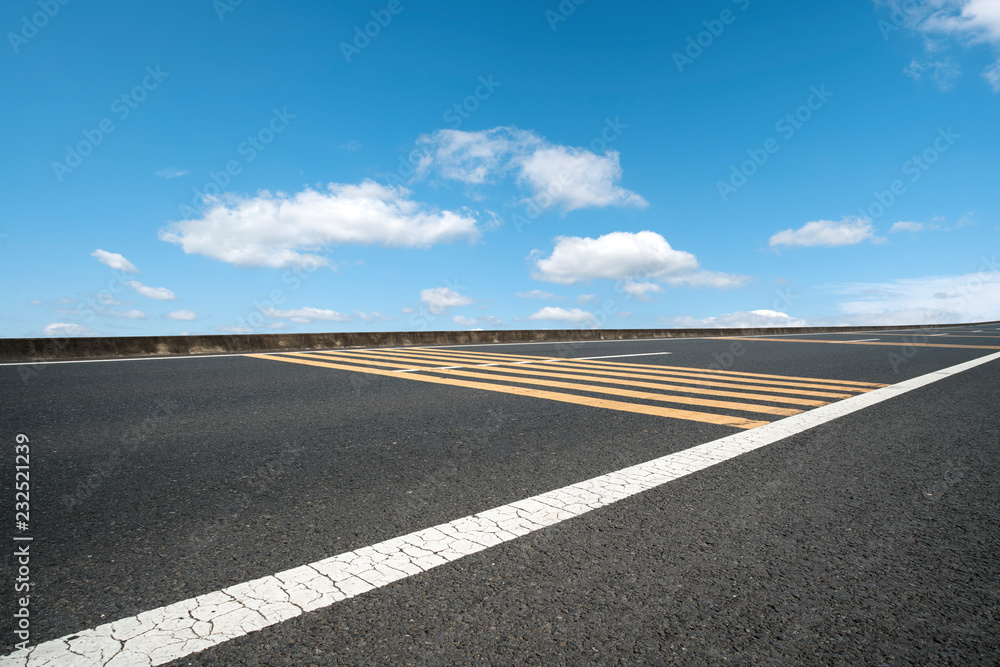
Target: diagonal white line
{"type": "Point", "coordinates": [161, 635]}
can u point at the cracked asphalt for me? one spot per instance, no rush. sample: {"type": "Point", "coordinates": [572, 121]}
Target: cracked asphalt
{"type": "Point", "coordinates": [871, 539]}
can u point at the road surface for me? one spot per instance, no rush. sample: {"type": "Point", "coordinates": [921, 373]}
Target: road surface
{"type": "Point", "coordinates": [841, 506]}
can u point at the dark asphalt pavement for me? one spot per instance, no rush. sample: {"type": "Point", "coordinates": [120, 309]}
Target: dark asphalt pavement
{"type": "Point", "coordinates": [872, 539]}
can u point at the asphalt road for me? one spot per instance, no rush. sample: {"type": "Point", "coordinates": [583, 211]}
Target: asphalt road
{"type": "Point", "coordinates": [870, 539]}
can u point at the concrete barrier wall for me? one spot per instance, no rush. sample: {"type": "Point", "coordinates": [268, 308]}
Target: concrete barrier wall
{"type": "Point", "coordinates": [50, 349]}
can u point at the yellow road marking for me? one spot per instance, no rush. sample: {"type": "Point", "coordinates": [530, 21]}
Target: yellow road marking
{"type": "Point", "coordinates": [573, 364]}
{"type": "Point", "coordinates": [542, 372]}
{"type": "Point", "coordinates": [695, 378]}
{"type": "Point", "coordinates": [644, 395]}
{"type": "Point", "coordinates": [660, 366]}
{"type": "Point", "coordinates": [584, 368]}
{"type": "Point", "coordinates": [706, 417]}
{"type": "Point", "coordinates": [429, 363]}
{"type": "Point", "coordinates": [917, 333]}
{"type": "Point", "coordinates": [848, 342]}
{"type": "Point", "coordinates": [447, 353]}
{"type": "Point", "coordinates": [738, 373]}
{"type": "Point", "coordinates": [528, 370]}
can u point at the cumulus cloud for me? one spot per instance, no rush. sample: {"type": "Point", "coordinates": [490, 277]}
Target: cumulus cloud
{"type": "Point", "coordinates": [575, 178]}
{"type": "Point", "coordinates": [279, 230]}
{"type": "Point", "coordinates": [555, 176]}
{"type": "Point", "coordinates": [848, 231]}
{"type": "Point", "coordinates": [182, 315]}
{"type": "Point", "coordinates": [60, 329]}
{"type": "Point", "coordinates": [614, 256]}
{"type": "Point", "coordinates": [637, 259]}
{"type": "Point", "coordinates": [571, 315]}
{"type": "Point", "coordinates": [586, 298]}
{"type": "Point", "coordinates": [464, 321]}
{"type": "Point", "coordinates": [158, 293]}
{"type": "Point", "coordinates": [753, 319]}
{"type": "Point", "coordinates": [114, 260]}
{"type": "Point", "coordinates": [440, 299]}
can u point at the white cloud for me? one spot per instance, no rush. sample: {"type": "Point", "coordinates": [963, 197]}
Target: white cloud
{"type": "Point", "coordinates": [586, 298]}
{"type": "Point", "coordinates": [306, 315]}
{"type": "Point", "coordinates": [714, 279]}
{"type": "Point", "coordinates": [171, 173]}
{"type": "Point", "coordinates": [114, 260]}
{"type": "Point", "coordinates": [640, 290]}
{"type": "Point", "coordinates": [575, 178]}
{"type": "Point", "coordinates": [34, 302]}
{"type": "Point", "coordinates": [903, 226]}
{"type": "Point", "coordinates": [535, 294]}
{"type": "Point", "coordinates": [491, 320]}
{"type": "Point", "coordinates": [66, 329]}
{"type": "Point", "coordinates": [464, 321]}
{"type": "Point", "coordinates": [943, 71]}
{"type": "Point", "coordinates": [235, 329]}
{"type": "Point", "coordinates": [848, 231]}
{"type": "Point", "coordinates": [158, 293]}
{"type": "Point", "coordinates": [566, 177]}
{"type": "Point", "coordinates": [973, 297]}
{"type": "Point", "coordinates": [614, 256]}
{"type": "Point", "coordinates": [182, 315]}
{"type": "Point", "coordinates": [992, 76]}
{"type": "Point", "coordinates": [123, 314]}
{"type": "Point", "coordinates": [966, 22]}
{"type": "Point", "coordinates": [373, 316]}
{"type": "Point", "coordinates": [278, 230]}
{"type": "Point", "coordinates": [440, 299]}
{"type": "Point", "coordinates": [753, 319]}
{"type": "Point", "coordinates": [474, 157]}
{"type": "Point", "coordinates": [637, 259]}
{"type": "Point", "coordinates": [554, 314]}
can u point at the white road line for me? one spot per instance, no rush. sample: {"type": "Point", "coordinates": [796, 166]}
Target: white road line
{"type": "Point", "coordinates": [940, 334]}
{"type": "Point", "coordinates": [617, 356]}
{"type": "Point", "coordinates": [863, 340]}
{"type": "Point", "coordinates": [161, 635]}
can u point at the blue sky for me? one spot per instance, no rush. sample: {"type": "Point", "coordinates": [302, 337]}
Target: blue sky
{"type": "Point", "coordinates": [199, 167]}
